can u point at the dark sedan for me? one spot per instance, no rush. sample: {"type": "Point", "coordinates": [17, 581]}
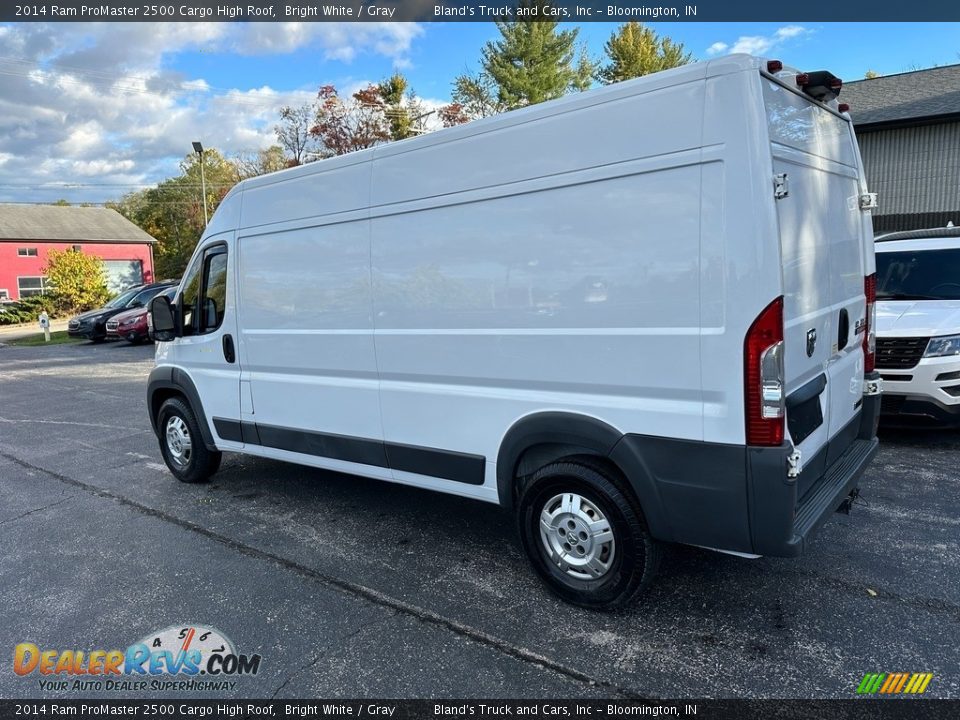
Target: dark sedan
{"type": "Point", "coordinates": [92, 325]}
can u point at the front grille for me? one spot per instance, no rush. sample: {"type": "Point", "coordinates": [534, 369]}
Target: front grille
{"type": "Point", "coordinates": [74, 324]}
{"type": "Point", "coordinates": [900, 352]}
{"type": "Point", "coordinates": [891, 404]}
{"type": "Point", "coordinates": [112, 325]}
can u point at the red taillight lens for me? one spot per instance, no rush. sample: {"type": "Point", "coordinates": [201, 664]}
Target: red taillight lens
{"type": "Point", "coordinates": [843, 107]}
{"type": "Point", "coordinates": [803, 79]}
{"type": "Point", "coordinates": [869, 335]}
{"type": "Point", "coordinates": [763, 377]}
{"type": "Point", "coordinates": [774, 66]}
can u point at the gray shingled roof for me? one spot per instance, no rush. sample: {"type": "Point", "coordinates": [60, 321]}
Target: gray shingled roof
{"type": "Point", "coordinates": [905, 97]}
{"type": "Point", "coordinates": [52, 222]}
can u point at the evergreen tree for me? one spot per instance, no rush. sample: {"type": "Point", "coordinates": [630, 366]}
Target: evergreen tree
{"type": "Point", "coordinates": [635, 50]}
{"type": "Point", "coordinates": [534, 60]}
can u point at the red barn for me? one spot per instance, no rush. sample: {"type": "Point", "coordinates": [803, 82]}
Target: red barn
{"type": "Point", "coordinates": [29, 232]}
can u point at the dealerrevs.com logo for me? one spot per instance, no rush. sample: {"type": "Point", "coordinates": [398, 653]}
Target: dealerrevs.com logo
{"type": "Point", "coordinates": [186, 657]}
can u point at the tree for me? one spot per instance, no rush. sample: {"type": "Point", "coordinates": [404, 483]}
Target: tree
{"type": "Point", "coordinates": [474, 96]}
{"type": "Point", "coordinates": [62, 202]}
{"type": "Point", "coordinates": [172, 212]}
{"type": "Point", "coordinates": [534, 60]}
{"type": "Point", "coordinates": [870, 75]}
{"type": "Point", "coordinates": [399, 107]}
{"type": "Point", "coordinates": [260, 163]}
{"type": "Point", "coordinates": [344, 126]}
{"type": "Point", "coordinates": [293, 133]}
{"type": "Point", "coordinates": [635, 49]}
{"type": "Point", "coordinates": [78, 280]}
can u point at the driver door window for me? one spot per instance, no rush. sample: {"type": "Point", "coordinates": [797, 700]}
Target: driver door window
{"type": "Point", "coordinates": [204, 297]}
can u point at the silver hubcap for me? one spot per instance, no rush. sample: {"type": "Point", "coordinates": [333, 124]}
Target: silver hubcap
{"type": "Point", "coordinates": [578, 537]}
{"type": "Point", "coordinates": [178, 441]}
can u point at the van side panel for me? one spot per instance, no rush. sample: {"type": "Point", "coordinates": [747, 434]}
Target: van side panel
{"type": "Point", "coordinates": [574, 292]}
{"type": "Point", "coordinates": [307, 338]}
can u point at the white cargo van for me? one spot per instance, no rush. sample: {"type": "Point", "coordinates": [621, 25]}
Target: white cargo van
{"type": "Point", "coordinates": [636, 315]}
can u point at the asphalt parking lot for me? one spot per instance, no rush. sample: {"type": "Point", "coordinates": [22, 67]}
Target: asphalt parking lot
{"type": "Point", "coordinates": [355, 588]}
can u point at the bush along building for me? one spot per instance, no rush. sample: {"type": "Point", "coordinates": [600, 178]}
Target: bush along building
{"type": "Point", "coordinates": [29, 232]}
{"type": "Point", "coordinates": [908, 127]}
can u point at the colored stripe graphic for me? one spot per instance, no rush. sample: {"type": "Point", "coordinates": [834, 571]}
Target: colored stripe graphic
{"type": "Point", "coordinates": [894, 683]}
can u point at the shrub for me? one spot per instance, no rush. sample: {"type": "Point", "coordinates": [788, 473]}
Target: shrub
{"type": "Point", "coordinates": [78, 280]}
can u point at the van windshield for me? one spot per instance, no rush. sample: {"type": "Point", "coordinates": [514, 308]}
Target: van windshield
{"type": "Point", "coordinates": [919, 275]}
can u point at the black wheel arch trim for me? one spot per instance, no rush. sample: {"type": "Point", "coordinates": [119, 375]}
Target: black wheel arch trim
{"type": "Point", "coordinates": [170, 377]}
{"type": "Point", "coordinates": [584, 431]}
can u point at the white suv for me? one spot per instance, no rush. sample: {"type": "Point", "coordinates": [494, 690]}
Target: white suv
{"type": "Point", "coordinates": [918, 325]}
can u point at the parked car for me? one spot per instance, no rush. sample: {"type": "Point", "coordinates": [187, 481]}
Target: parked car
{"type": "Point", "coordinates": [92, 325]}
{"type": "Point", "coordinates": [131, 325]}
{"type": "Point", "coordinates": [703, 374]}
{"type": "Point", "coordinates": [918, 325]}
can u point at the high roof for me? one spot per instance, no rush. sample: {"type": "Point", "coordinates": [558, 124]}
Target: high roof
{"type": "Point", "coordinates": [69, 224]}
{"type": "Point", "coordinates": [904, 99]}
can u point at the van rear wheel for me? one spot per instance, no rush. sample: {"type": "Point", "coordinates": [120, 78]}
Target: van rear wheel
{"type": "Point", "coordinates": [182, 444]}
{"type": "Point", "coordinates": [585, 536]}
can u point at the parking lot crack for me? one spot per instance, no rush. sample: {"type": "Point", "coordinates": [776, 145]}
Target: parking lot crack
{"type": "Point", "coordinates": [371, 595]}
{"type": "Point", "coordinates": [35, 510]}
{"type": "Point", "coordinates": [340, 641]}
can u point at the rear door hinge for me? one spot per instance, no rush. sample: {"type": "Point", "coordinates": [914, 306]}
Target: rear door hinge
{"type": "Point", "coordinates": [781, 188]}
{"type": "Point", "coordinates": [868, 201]}
{"type": "Point", "coordinates": [794, 464]}
{"type": "Point", "coordinates": [873, 387]}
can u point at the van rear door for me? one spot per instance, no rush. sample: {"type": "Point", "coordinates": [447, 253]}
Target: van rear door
{"type": "Point", "coordinates": [817, 189]}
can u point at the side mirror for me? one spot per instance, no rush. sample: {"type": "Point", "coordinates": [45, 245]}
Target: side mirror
{"type": "Point", "coordinates": [163, 323]}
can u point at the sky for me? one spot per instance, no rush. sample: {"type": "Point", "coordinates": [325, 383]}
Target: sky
{"type": "Point", "coordinates": [91, 111]}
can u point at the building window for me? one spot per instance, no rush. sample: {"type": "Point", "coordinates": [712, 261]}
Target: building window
{"type": "Point", "coordinates": [30, 286]}
{"type": "Point", "coordinates": [27, 252]}
{"type": "Point", "coordinates": [4, 294]}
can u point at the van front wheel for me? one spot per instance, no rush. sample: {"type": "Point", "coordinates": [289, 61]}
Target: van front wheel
{"type": "Point", "coordinates": [584, 536]}
{"type": "Point", "coordinates": [182, 444]}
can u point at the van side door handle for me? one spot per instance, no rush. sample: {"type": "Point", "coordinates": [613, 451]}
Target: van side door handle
{"type": "Point", "coordinates": [228, 352]}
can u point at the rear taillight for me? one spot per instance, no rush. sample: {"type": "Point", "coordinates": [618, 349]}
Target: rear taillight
{"type": "Point", "coordinates": [763, 377]}
{"type": "Point", "coordinates": [870, 331]}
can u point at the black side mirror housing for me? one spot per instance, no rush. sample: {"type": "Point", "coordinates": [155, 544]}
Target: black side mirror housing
{"type": "Point", "coordinates": [163, 320]}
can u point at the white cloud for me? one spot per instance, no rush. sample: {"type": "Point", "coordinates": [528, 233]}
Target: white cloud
{"type": "Point", "coordinates": [790, 31]}
{"type": "Point", "coordinates": [759, 44]}
{"type": "Point", "coordinates": [96, 103]}
{"type": "Point", "coordinates": [752, 44]}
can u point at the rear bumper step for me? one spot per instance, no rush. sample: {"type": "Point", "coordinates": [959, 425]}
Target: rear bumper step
{"type": "Point", "coordinates": [785, 512]}
{"type": "Point", "coordinates": [833, 490]}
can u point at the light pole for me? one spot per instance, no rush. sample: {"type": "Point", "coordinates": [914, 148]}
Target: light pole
{"type": "Point", "coordinates": [198, 148]}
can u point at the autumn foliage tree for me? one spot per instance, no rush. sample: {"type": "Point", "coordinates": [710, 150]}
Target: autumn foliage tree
{"type": "Point", "coordinates": [78, 280]}
{"type": "Point", "coordinates": [343, 126]}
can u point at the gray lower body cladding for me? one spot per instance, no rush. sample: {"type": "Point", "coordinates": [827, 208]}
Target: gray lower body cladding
{"type": "Point", "coordinates": [739, 498]}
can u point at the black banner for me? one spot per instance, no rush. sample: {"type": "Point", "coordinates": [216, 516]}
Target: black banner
{"type": "Point", "coordinates": [480, 11]}
{"type": "Point", "coordinates": [855, 709]}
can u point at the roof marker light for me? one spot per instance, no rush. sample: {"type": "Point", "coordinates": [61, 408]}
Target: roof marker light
{"type": "Point", "coordinates": [843, 107]}
{"type": "Point", "coordinates": [774, 66]}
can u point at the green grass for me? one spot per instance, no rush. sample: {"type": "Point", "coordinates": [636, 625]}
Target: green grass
{"type": "Point", "coordinates": [56, 338]}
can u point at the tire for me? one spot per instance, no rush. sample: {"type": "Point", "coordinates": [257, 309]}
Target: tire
{"type": "Point", "coordinates": [181, 443]}
{"type": "Point", "coordinates": [587, 501]}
